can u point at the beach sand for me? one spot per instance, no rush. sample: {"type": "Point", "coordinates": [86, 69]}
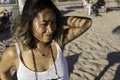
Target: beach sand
{"type": "Point", "coordinates": [95, 55]}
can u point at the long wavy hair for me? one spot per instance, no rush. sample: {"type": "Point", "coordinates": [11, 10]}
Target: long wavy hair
{"type": "Point", "coordinates": [24, 35]}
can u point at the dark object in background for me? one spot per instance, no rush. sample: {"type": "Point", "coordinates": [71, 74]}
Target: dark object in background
{"type": "Point", "coordinates": [97, 6]}
{"type": "Point", "coordinates": [4, 20]}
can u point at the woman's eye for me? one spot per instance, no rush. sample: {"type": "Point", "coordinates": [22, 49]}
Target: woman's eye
{"type": "Point", "coordinates": [44, 24]}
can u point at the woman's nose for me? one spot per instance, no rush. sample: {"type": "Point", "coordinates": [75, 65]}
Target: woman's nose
{"type": "Point", "coordinates": [49, 28]}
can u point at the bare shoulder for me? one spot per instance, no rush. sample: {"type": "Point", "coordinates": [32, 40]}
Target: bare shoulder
{"type": "Point", "coordinates": [9, 55]}
{"type": "Point", "coordinates": [8, 59]}
{"type": "Point", "coordinates": [11, 52]}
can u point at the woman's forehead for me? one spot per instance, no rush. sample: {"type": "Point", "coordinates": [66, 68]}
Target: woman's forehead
{"type": "Point", "coordinates": [46, 14]}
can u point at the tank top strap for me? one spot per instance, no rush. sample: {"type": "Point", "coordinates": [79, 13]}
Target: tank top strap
{"type": "Point", "coordinates": [18, 49]}
{"type": "Point", "coordinates": [58, 47]}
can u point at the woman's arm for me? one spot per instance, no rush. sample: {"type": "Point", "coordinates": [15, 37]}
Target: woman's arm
{"type": "Point", "coordinates": [75, 27]}
{"type": "Point", "coordinates": [7, 61]}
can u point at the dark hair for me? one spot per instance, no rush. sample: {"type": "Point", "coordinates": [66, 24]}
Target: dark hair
{"type": "Point", "coordinates": [118, 1]}
{"type": "Point", "coordinates": [30, 11]}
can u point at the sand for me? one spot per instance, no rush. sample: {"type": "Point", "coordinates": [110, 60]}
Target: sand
{"type": "Point", "coordinates": [95, 55]}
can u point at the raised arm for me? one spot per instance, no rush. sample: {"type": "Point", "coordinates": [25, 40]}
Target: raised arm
{"type": "Point", "coordinates": [75, 27]}
{"type": "Point", "coordinates": [7, 61]}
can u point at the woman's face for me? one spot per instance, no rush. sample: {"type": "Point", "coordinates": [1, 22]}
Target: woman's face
{"type": "Point", "coordinates": [44, 25]}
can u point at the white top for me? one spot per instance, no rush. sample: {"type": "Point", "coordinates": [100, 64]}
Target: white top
{"type": "Point", "coordinates": [24, 73]}
{"type": "Point", "coordinates": [21, 5]}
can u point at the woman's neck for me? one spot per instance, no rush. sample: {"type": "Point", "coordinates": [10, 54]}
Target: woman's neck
{"type": "Point", "coordinates": [42, 45]}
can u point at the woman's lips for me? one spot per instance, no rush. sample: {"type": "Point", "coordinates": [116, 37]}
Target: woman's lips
{"type": "Point", "coordinates": [48, 35]}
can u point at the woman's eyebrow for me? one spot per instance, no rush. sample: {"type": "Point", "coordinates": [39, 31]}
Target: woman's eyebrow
{"type": "Point", "coordinates": [45, 20]}
{"type": "Point", "coordinates": [49, 20]}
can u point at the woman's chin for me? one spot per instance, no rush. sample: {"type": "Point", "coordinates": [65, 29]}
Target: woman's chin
{"type": "Point", "coordinates": [47, 40]}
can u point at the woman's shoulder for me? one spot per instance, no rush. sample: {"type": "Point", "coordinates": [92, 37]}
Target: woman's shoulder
{"type": "Point", "coordinates": [8, 59]}
{"type": "Point", "coordinates": [10, 51]}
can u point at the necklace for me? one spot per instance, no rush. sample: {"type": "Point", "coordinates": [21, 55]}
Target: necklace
{"type": "Point", "coordinates": [43, 54]}
{"type": "Point", "coordinates": [34, 63]}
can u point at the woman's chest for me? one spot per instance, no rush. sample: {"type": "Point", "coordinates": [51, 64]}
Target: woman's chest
{"type": "Point", "coordinates": [37, 62]}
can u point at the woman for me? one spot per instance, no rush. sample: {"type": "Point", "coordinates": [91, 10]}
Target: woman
{"type": "Point", "coordinates": [41, 36]}
{"type": "Point", "coordinates": [87, 6]}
